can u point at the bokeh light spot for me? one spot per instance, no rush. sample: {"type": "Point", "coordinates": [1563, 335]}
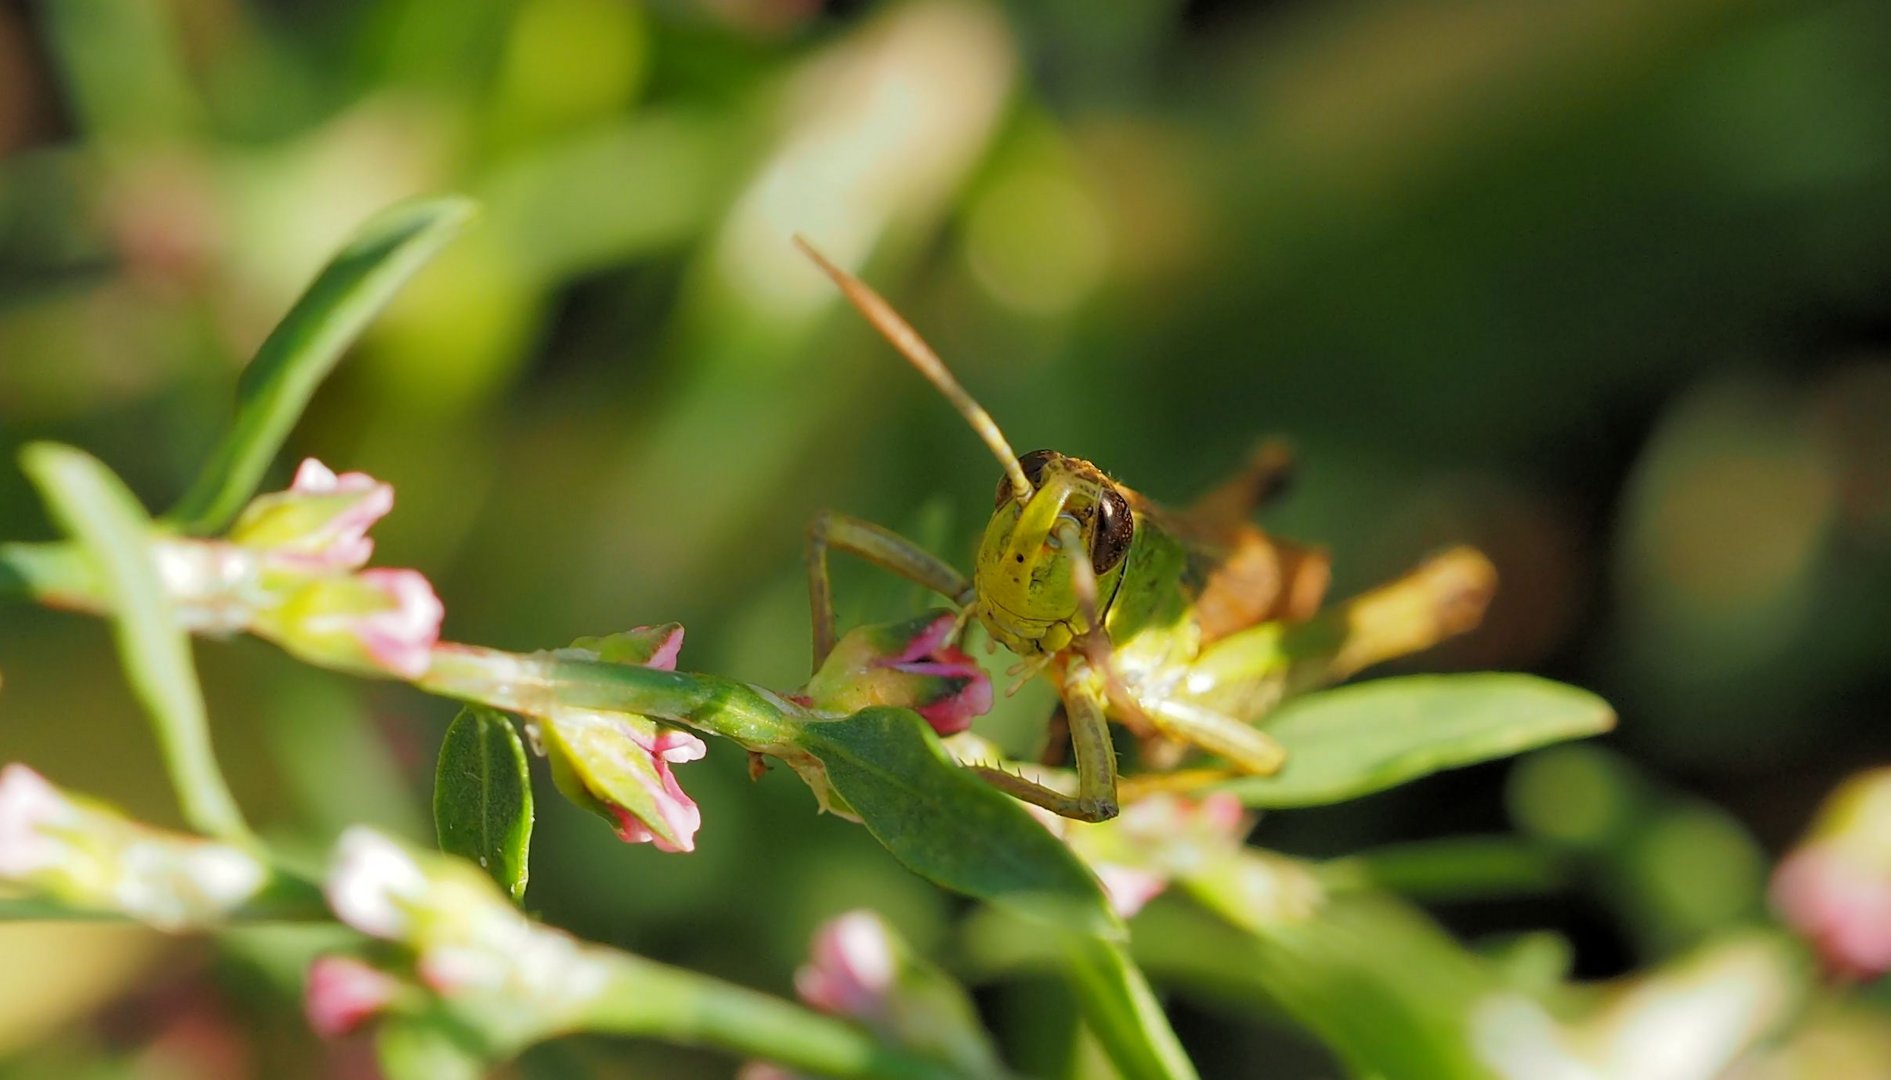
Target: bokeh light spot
{"type": "Point", "coordinates": [1038, 242]}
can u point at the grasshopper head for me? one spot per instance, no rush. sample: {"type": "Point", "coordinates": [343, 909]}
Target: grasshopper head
{"type": "Point", "coordinates": [1024, 576]}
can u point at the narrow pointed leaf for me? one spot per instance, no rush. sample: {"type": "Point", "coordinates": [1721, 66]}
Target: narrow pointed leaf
{"type": "Point", "coordinates": [1123, 1012]}
{"type": "Point", "coordinates": [1345, 743]}
{"type": "Point", "coordinates": [482, 797]}
{"type": "Point", "coordinates": [383, 254]}
{"type": "Point", "coordinates": [113, 534]}
{"type": "Point", "coordinates": [949, 826]}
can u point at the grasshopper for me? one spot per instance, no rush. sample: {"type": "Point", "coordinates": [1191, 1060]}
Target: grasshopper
{"type": "Point", "coordinates": [1185, 626]}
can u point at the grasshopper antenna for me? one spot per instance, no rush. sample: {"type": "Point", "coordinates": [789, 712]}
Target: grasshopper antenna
{"type": "Point", "coordinates": [881, 316]}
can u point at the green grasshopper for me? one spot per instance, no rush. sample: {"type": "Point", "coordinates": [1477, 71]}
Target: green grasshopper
{"type": "Point", "coordinates": [1185, 626]}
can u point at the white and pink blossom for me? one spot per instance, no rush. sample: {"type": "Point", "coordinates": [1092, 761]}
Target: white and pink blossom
{"type": "Point", "coordinates": [1834, 890]}
{"type": "Point", "coordinates": [320, 523]}
{"type": "Point", "coordinates": [851, 967]}
{"type": "Point", "coordinates": [619, 764]}
{"type": "Point", "coordinates": [376, 622]}
{"type": "Point", "coordinates": [374, 883]}
{"type": "Point", "coordinates": [344, 993]}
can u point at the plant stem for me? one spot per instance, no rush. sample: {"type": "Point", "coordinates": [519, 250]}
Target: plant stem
{"type": "Point", "coordinates": [113, 544]}
{"type": "Point", "coordinates": [534, 683]}
{"type": "Point", "coordinates": [684, 1007]}
{"type": "Point", "coordinates": [284, 898]}
{"type": "Point", "coordinates": [52, 574]}
{"type": "Point", "coordinates": [1122, 1011]}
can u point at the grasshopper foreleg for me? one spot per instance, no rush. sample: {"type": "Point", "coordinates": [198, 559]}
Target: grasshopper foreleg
{"type": "Point", "coordinates": [1084, 706]}
{"type": "Point", "coordinates": [883, 548]}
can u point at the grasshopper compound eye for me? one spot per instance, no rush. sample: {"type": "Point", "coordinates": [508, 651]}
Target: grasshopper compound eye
{"type": "Point", "coordinates": [1112, 531]}
{"type": "Point", "coordinates": [1033, 465]}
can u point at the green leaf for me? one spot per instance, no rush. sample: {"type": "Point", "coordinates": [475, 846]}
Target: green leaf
{"type": "Point", "coordinates": [1455, 868]}
{"type": "Point", "coordinates": [1374, 979]}
{"type": "Point", "coordinates": [94, 506]}
{"type": "Point", "coordinates": [1342, 744]}
{"type": "Point", "coordinates": [1123, 1013]}
{"type": "Point", "coordinates": [482, 796]}
{"type": "Point", "coordinates": [884, 763]}
{"type": "Point", "coordinates": [382, 255]}
{"type": "Point", "coordinates": [950, 827]}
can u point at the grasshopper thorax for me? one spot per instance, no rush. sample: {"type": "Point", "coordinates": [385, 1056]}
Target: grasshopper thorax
{"type": "Point", "coordinates": [1025, 574]}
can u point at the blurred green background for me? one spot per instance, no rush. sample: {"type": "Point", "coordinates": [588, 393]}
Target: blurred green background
{"type": "Point", "coordinates": [1601, 286]}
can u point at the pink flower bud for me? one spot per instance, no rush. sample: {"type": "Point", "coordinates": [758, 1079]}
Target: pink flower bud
{"type": "Point", "coordinates": [1157, 840]}
{"type": "Point", "coordinates": [1128, 888]}
{"type": "Point", "coordinates": [1841, 907]}
{"type": "Point", "coordinates": [381, 622]}
{"type": "Point", "coordinates": [344, 993]}
{"type": "Point", "coordinates": [320, 523]}
{"type": "Point", "coordinates": [908, 665]}
{"type": "Point", "coordinates": [29, 808]}
{"type": "Point", "coordinates": [677, 812]}
{"type": "Point", "coordinates": [859, 969]}
{"type": "Point", "coordinates": [401, 636]}
{"type": "Point", "coordinates": [85, 854]}
{"type": "Point", "coordinates": [374, 884]}
{"type": "Point", "coordinates": [851, 967]}
{"type": "Point", "coordinates": [618, 764]}
{"type": "Point", "coordinates": [1835, 888]}
{"type": "Point", "coordinates": [463, 935]}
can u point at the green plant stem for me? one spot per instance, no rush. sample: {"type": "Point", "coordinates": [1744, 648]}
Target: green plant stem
{"type": "Point", "coordinates": [681, 1006]}
{"type": "Point", "coordinates": [52, 574]}
{"type": "Point", "coordinates": [1122, 1011]}
{"type": "Point", "coordinates": [532, 683]}
{"type": "Point", "coordinates": [111, 529]}
{"type": "Point", "coordinates": [285, 898]}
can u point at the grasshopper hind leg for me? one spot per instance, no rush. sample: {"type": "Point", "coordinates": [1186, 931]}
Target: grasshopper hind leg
{"type": "Point", "coordinates": [1265, 476]}
{"type": "Point", "coordinates": [1181, 725]}
{"type": "Point", "coordinates": [1248, 750]}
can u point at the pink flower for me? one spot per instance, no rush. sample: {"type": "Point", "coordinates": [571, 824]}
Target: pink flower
{"type": "Point", "coordinates": [1835, 888]}
{"type": "Point", "coordinates": [678, 813]}
{"type": "Point", "coordinates": [1156, 840]}
{"type": "Point", "coordinates": [343, 993]}
{"type": "Point", "coordinates": [908, 665]}
{"type": "Point", "coordinates": [851, 967]}
{"type": "Point", "coordinates": [859, 969]}
{"type": "Point", "coordinates": [1841, 906]}
{"type": "Point", "coordinates": [401, 636]}
{"type": "Point", "coordinates": [618, 764]}
{"type": "Point", "coordinates": [28, 805]}
{"type": "Point", "coordinates": [1129, 888]}
{"type": "Point", "coordinates": [374, 884]}
{"type": "Point", "coordinates": [949, 711]}
{"type": "Point", "coordinates": [453, 932]}
{"type": "Point", "coordinates": [320, 523]}
{"type": "Point", "coordinates": [377, 622]}
{"type": "Point", "coordinates": [84, 854]}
